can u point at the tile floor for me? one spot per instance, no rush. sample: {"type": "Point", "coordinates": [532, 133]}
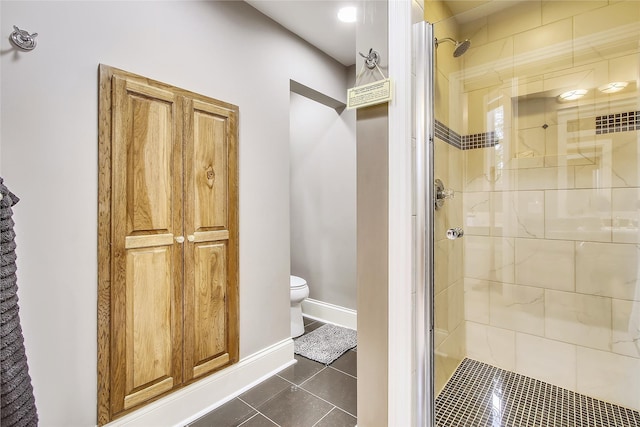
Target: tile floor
{"type": "Point", "coordinates": [307, 394]}
{"type": "Point", "coordinates": [481, 395]}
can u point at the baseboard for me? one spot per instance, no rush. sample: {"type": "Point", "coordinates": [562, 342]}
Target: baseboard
{"type": "Point", "coordinates": [330, 313]}
{"type": "Point", "coordinates": [195, 400]}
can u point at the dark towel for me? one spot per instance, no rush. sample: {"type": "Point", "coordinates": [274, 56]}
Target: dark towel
{"type": "Point", "coordinates": [17, 403]}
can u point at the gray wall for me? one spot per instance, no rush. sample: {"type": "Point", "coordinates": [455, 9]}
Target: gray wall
{"type": "Point", "coordinates": [49, 157]}
{"type": "Point", "coordinates": [323, 200]}
{"type": "Point", "coordinates": [373, 228]}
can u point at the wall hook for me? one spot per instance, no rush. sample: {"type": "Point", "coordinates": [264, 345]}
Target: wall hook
{"type": "Point", "coordinates": [372, 59]}
{"type": "Point", "coordinates": [22, 39]}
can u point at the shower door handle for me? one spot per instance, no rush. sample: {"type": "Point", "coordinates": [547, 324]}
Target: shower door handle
{"type": "Point", "coordinates": [455, 233]}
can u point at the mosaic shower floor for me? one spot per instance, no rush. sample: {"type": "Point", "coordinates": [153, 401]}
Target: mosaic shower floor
{"type": "Point", "coordinates": [481, 395]}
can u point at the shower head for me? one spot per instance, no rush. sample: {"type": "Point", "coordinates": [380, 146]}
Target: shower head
{"type": "Point", "coordinates": [461, 47]}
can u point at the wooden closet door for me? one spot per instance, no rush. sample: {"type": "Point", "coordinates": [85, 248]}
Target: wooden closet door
{"type": "Point", "coordinates": [147, 267]}
{"type": "Point", "coordinates": [211, 225]}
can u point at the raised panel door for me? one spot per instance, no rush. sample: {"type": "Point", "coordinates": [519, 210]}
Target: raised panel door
{"type": "Point", "coordinates": [146, 307]}
{"type": "Point", "coordinates": [210, 287]}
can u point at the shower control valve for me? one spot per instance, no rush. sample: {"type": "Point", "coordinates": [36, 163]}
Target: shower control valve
{"type": "Point", "coordinates": [442, 193]}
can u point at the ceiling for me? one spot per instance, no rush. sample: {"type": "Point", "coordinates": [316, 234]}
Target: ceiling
{"type": "Point", "coordinates": [316, 20]}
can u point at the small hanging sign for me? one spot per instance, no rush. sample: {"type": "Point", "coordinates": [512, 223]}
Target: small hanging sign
{"type": "Point", "coordinates": [369, 94]}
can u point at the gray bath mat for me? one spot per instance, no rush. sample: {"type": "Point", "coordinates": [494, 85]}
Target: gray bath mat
{"type": "Point", "coordinates": [326, 343]}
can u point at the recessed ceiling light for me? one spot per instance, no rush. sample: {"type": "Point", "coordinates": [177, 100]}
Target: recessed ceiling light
{"type": "Point", "coordinates": [347, 14]}
{"type": "Point", "coordinates": [613, 87]}
{"type": "Point", "coordinates": [572, 95]}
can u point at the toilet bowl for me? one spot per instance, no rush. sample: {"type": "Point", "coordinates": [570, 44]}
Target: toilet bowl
{"type": "Point", "coordinates": [298, 292]}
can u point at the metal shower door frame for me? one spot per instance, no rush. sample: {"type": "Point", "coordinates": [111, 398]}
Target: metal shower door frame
{"type": "Point", "coordinates": [424, 51]}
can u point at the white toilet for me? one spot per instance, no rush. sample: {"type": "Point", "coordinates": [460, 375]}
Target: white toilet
{"type": "Point", "coordinates": [298, 292]}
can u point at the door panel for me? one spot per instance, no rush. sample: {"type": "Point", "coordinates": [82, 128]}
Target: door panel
{"type": "Point", "coordinates": [146, 305]}
{"type": "Point", "coordinates": [148, 328]}
{"type": "Point", "coordinates": [149, 168]}
{"type": "Point", "coordinates": [210, 129]}
{"type": "Point", "coordinates": [210, 288]}
{"type": "Point", "coordinates": [209, 308]}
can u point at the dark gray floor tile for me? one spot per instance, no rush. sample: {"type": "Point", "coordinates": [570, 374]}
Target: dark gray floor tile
{"type": "Point", "coordinates": [264, 391]}
{"type": "Point", "coordinates": [335, 387]}
{"type": "Point", "coordinates": [258, 420]}
{"type": "Point", "coordinates": [312, 326]}
{"type": "Point", "coordinates": [301, 371]}
{"type": "Point", "coordinates": [337, 418]}
{"type": "Point", "coordinates": [231, 414]}
{"type": "Point", "coordinates": [347, 363]}
{"type": "Point", "coordinates": [295, 407]}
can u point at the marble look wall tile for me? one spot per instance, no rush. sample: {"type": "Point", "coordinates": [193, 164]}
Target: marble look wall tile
{"type": "Point", "coordinates": [608, 269]}
{"type": "Point", "coordinates": [547, 360]}
{"type": "Point", "coordinates": [626, 215]}
{"type": "Point", "coordinates": [440, 336]}
{"type": "Point", "coordinates": [445, 59]}
{"type": "Point", "coordinates": [530, 143]}
{"type": "Point", "coordinates": [589, 75]}
{"type": "Point", "coordinates": [514, 20]}
{"type": "Point", "coordinates": [448, 263]}
{"type": "Point", "coordinates": [476, 118]}
{"type": "Point", "coordinates": [529, 113]}
{"type": "Point", "coordinates": [449, 355]}
{"type": "Point", "coordinates": [441, 98]}
{"type": "Point", "coordinates": [544, 48]}
{"type": "Point", "coordinates": [477, 213]}
{"type": "Point", "coordinates": [518, 214]}
{"type": "Point", "coordinates": [578, 319]}
{"type": "Point", "coordinates": [482, 171]}
{"type": "Point", "coordinates": [491, 345]}
{"type": "Point", "coordinates": [609, 376]}
{"type": "Point", "coordinates": [578, 214]}
{"type": "Point", "coordinates": [625, 14]}
{"type": "Point", "coordinates": [553, 10]}
{"type": "Point", "coordinates": [545, 263]}
{"type": "Point", "coordinates": [626, 327]}
{"type": "Point", "coordinates": [528, 85]}
{"type": "Point", "coordinates": [515, 307]}
{"type": "Point", "coordinates": [624, 158]}
{"type": "Point", "coordinates": [594, 176]}
{"type": "Point", "coordinates": [441, 311]}
{"type": "Point", "coordinates": [489, 258]}
{"type": "Point", "coordinates": [624, 68]}
{"type": "Point", "coordinates": [543, 178]}
{"type": "Point", "coordinates": [476, 300]}
{"type": "Point", "coordinates": [442, 255]}
{"type": "Point", "coordinates": [488, 65]}
{"type": "Point", "coordinates": [455, 302]}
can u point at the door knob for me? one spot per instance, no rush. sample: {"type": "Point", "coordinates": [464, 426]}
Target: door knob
{"type": "Point", "coordinates": [180, 239]}
{"type": "Point", "coordinates": [191, 237]}
{"type": "Point", "coordinates": [455, 233]}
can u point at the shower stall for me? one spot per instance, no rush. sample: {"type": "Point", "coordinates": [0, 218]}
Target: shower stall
{"type": "Point", "coordinates": [530, 313]}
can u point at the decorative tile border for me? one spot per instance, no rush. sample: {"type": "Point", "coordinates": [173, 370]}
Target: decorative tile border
{"type": "Point", "coordinates": [448, 135]}
{"type": "Point", "coordinates": [481, 395]}
{"type": "Point", "coordinates": [465, 142]}
{"type": "Point", "coordinates": [619, 122]}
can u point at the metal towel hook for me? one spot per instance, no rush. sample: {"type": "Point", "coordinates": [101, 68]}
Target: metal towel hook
{"type": "Point", "coordinates": [22, 39]}
{"type": "Point", "coordinates": [371, 60]}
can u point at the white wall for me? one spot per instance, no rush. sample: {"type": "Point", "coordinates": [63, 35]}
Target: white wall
{"type": "Point", "coordinates": [48, 149]}
{"type": "Point", "coordinates": [323, 200]}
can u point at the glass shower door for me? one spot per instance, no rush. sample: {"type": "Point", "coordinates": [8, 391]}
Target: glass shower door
{"type": "Point", "coordinates": [536, 287]}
